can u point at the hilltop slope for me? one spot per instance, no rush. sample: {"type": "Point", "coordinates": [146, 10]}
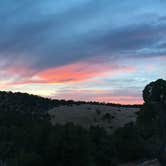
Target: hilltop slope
{"type": "Point", "coordinates": [86, 115]}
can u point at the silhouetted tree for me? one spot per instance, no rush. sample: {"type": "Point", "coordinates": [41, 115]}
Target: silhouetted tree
{"type": "Point", "coordinates": [151, 119]}
{"type": "Point", "coordinates": [155, 92]}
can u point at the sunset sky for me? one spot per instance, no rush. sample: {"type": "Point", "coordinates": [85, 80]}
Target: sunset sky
{"type": "Point", "coordinates": [93, 50]}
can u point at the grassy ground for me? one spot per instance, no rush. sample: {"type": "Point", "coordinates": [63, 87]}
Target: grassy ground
{"type": "Point", "coordinates": [86, 115]}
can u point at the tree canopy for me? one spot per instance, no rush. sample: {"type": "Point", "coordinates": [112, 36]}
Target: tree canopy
{"type": "Point", "coordinates": [155, 92]}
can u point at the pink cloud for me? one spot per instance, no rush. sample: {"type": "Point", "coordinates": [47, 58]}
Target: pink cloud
{"type": "Point", "coordinates": [19, 70]}
{"type": "Point", "coordinates": [69, 73]}
{"type": "Point", "coordinates": [80, 71]}
{"type": "Point", "coordinates": [120, 99]}
{"type": "Point", "coordinates": [107, 96]}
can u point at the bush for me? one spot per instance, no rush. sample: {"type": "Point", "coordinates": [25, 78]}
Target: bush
{"type": "Point", "coordinates": [128, 144]}
{"type": "Point", "coordinates": [107, 117]}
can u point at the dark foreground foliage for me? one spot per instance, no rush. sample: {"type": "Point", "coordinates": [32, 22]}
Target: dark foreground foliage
{"type": "Point", "coordinates": [28, 139]}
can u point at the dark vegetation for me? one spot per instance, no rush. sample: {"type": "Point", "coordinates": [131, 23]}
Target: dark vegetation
{"type": "Point", "coordinates": [147, 138]}
{"type": "Point", "coordinates": [107, 117]}
{"type": "Point", "coordinates": [26, 140]}
{"type": "Point", "coordinates": [27, 137]}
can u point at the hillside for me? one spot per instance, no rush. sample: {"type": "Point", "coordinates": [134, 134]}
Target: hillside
{"type": "Point", "coordinates": [110, 116]}
{"type": "Point", "coordinates": [86, 115]}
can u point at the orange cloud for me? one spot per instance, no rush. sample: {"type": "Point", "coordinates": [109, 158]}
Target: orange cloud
{"type": "Point", "coordinates": [70, 73]}
{"type": "Point", "coordinates": [79, 71]}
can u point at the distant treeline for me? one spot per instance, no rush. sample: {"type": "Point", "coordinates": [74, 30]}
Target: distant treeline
{"type": "Point", "coordinates": [109, 104]}
{"type": "Point", "coordinates": [28, 102]}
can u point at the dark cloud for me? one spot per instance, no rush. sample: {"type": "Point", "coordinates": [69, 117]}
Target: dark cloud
{"type": "Point", "coordinates": [48, 33]}
{"type": "Point", "coordinates": [162, 45]}
{"type": "Point", "coordinates": [133, 37]}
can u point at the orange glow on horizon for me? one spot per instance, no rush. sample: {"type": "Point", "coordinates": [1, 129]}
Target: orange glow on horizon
{"type": "Point", "coordinates": [106, 96]}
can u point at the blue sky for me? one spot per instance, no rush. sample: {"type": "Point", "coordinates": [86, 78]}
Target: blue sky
{"type": "Point", "coordinates": [82, 49]}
